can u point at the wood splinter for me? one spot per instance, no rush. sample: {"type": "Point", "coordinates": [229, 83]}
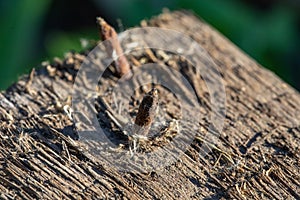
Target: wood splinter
{"type": "Point", "coordinates": [113, 48]}
{"type": "Point", "coordinates": [146, 113]}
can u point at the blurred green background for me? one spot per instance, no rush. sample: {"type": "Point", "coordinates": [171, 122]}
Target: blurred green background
{"type": "Point", "coordinates": [33, 31]}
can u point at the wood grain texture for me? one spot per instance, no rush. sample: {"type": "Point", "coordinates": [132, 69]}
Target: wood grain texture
{"type": "Point", "coordinates": [257, 156]}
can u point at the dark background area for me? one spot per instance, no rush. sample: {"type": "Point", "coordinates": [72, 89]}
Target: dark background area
{"type": "Point", "coordinates": [33, 31]}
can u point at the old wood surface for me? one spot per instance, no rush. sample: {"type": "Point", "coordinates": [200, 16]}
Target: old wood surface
{"type": "Point", "coordinates": [257, 155]}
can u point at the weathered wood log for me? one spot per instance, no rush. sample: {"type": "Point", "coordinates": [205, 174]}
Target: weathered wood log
{"type": "Point", "coordinates": [257, 155]}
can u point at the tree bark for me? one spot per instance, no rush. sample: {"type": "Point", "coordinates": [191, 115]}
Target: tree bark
{"type": "Point", "coordinates": [257, 156]}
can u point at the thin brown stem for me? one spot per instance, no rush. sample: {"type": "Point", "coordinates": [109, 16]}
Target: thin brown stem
{"type": "Point", "coordinates": [113, 48]}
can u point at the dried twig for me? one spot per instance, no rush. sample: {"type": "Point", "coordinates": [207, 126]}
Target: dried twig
{"type": "Point", "coordinates": [146, 113]}
{"type": "Point", "coordinates": [113, 48]}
